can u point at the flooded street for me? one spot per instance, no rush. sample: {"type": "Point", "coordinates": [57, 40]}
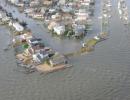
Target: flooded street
{"type": "Point", "coordinates": [104, 74]}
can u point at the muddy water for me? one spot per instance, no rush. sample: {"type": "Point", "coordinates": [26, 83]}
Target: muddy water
{"type": "Point", "coordinates": [101, 75]}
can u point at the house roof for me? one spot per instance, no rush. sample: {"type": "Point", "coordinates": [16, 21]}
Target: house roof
{"type": "Point", "coordinates": [46, 2]}
{"type": "Point", "coordinates": [59, 29]}
{"type": "Point", "coordinates": [66, 9]}
{"type": "Point", "coordinates": [42, 56]}
{"type": "Point", "coordinates": [52, 24]}
{"type": "Point", "coordinates": [79, 29]}
{"type": "Point", "coordinates": [57, 59]}
{"type": "Point", "coordinates": [35, 39]}
{"type": "Point", "coordinates": [37, 45]}
{"type": "Point", "coordinates": [18, 27]}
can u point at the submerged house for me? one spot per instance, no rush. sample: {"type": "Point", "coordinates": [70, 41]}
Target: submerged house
{"type": "Point", "coordinates": [38, 16]}
{"type": "Point", "coordinates": [79, 30]}
{"type": "Point", "coordinates": [36, 48]}
{"type": "Point", "coordinates": [20, 4]}
{"type": "Point", "coordinates": [34, 3]}
{"type": "Point", "coordinates": [21, 38]}
{"type": "Point", "coordinates": [2, 14]}
{"type": "Point", "coordinates": [34, 40]}
{"type": "Point", "coordinates": [67, 9]}
{"type": "Point", "coordinates": [14, 1]}
{"type": "Point", "coordinates": [81, 17]}
{"type": "Point", "coordinates": [42, 10]}
{"type": "Point", "coordinates": [18, 27]}
{"type": "Point", "coordinates": [56, 17]}
{"type": "Point", "coordinates": [67, 18]}
{"type": "Point", "coordinates": [35, 45]}
{"type": "Point", "coordinates": [52, 24]}
{"type": "Point", "coordinates": [47, 2]}
{"type": "Point", "coordinates": [5, 19]}
{"type": "Point", "coordinates": [28, 10]}
{"type": "Point", "coordinates": [57, 59]}
{"type": "Point", "coordinates": [82, 14]}
{"type": "Point", "coordinates": [59, 30]}
{"type": "Point", "coordinates": [43, 55]}
{"type": "Point", "coordinates": [62, 2]}
{"type": "Point", "coordinates": [40, 57]}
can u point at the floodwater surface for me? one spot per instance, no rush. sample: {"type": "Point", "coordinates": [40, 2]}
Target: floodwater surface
{"type": "Point", "coordinates": [104, 74]}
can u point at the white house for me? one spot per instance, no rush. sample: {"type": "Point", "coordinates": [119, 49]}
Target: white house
{"type": "Point", "coordinates": [38, 16]}
{"type": "Point", "coordinates": [120, 11]}
{"type": "Point", "coordinates": [62, 2]}
{"type": "Point", "coordinates": [2, 14]}
{"type": "Point", "coordinates": [59, 30]}
{"type": "Point", "coordinates": [82, 12]}
{"type": "Point", "coordinates": [20, 4]}
{"type": "Point", "coordinates": [5, 19]}
{"type": "Point", "coordinates": [81, 18]}
{"type": "Point", "coordinates": [34, 3]}
{"type": "Point", "coordinates": [52, 24]}
{"type": "Point", "coordinates": [43, 9]}
{"type": "Point", "coordinates": [28, 10]}
{"type": "Point", "coordinates": [18, 27]}
{"type": "Point", "coordinates": [14, 1]}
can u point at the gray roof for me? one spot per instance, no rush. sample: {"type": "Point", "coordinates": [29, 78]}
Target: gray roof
{"type": "Point", "coordinates": [58, 59]}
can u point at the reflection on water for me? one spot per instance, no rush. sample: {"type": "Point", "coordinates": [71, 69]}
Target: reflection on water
{"type": "Point", "coordinates": [101, 75]}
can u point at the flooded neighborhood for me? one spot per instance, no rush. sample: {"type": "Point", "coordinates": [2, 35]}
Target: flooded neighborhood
{"type": "Point", "coordinates": [65, 49]}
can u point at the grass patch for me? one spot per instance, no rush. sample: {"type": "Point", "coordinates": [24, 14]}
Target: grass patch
{"type": "Point", "coordinates": [91, 42]}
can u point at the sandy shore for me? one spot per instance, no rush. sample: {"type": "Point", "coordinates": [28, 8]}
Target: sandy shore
{"type": "Point", "coordinates": [45, 68]}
